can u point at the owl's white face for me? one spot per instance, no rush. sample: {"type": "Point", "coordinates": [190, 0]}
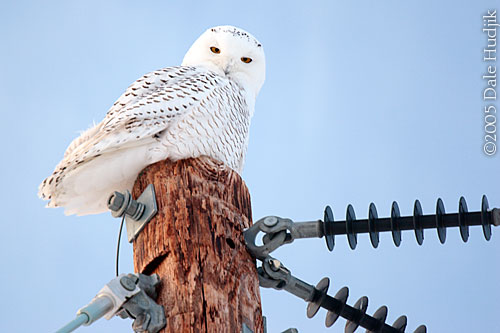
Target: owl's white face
{"type": "Point", "coordinates": [230, 52]}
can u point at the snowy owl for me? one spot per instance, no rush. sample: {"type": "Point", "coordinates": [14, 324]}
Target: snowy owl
{"type": "Point", "coordinates": [202, 107]}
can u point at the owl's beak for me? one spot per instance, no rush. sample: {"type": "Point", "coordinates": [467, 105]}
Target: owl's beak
{"type": "Point", "coordinates": [228, 67]}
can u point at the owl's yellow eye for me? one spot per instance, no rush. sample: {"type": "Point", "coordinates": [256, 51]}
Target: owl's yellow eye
{"type": "Point", "coordinates": [214, 49]}
{"type": "Point", "coordinates": [246, 60]}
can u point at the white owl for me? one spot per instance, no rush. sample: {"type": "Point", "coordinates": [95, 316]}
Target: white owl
{"type": "Point", "coordinates": [202, 107]}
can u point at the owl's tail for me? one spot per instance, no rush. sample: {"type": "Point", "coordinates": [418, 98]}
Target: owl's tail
{"type": "Point", "coordinates": [85, 188]}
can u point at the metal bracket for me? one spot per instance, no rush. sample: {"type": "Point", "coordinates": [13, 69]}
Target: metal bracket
{"type": "Point", "coordinates": [147, 314]}
{"type": "Point", "coordinates": [137, 212]}
{"type": "Point", "coordinates": [245, 328]}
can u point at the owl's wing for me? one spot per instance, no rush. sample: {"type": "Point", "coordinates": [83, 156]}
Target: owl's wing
{"type": "Point", "coordinates": [149, 106]}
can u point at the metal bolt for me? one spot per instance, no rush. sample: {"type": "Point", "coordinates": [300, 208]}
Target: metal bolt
{"type": "Point", "coordinates": [127, 283]}
{"type": "Point", "coordinates": [135, 209]}
{"type": "Point", "coordinates": [120, 204]}
{"type": "Point", "coordinates": [115, 201]}
{"type": "Point", "coordinates": [270, 221]}
{"type": "Point", "coordinates": [275, 264]}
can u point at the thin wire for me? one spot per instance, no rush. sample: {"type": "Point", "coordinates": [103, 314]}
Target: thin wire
{"type": "Point", "coordinates": [118, 245]}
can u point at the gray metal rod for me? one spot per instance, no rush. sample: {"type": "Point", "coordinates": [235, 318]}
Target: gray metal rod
{"type": "Point", "coordinates": [307, 230]}
{"type": "Point", "coordinates": [300, 288]}
{"type": "Point", "coordinates": [80, 320]}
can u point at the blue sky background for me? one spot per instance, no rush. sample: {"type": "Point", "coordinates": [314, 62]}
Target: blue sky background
{"type": "Point", "coordinates": [364, 102]}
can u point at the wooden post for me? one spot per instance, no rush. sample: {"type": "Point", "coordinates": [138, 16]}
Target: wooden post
{"type": "Point", "coordinates": [209, 281]}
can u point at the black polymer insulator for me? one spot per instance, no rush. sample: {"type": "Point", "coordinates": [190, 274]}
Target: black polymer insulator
{"type": "Point", "coordinates": [400, 323]}
{"type": "Point", "coordinates": [321, 290]}
{"type": "Point", "coordinates": [441, 228]}
{"type": "Point", "coordinates": [484, 218]}
{"type": "Point", "coordinates": [341, 296]}
{"type": "Point", "coordinates": [462, 219]}
{"type": "Point", "coordinates": [372, 229]}
{"type": "Point", "coordinates": [337, 306]}
{"type": "Point", "coordinates": [380, 315]}
{"type": "Point", "coordinates": [421, 329]}
{"type": "Point", "coordinates": [418, 222]}
{"type": "Point", "coordinates": [328, 228]}
{"type": "Point", "coordinates": [361, 305]}
{"type": "Point", "coordinates": [396, 229]}
{"type": "Point", "coordinates": [350, 218]}
{"type": "Point", "coordinates": [417, 225]}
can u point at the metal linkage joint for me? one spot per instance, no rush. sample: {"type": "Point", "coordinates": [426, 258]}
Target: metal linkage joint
{"type": "Point", "coordinates": [279, 231]}
{"type": "Point", "coordinates": [137, 212]}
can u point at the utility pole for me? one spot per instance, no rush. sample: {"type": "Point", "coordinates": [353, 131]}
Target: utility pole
{"type": "Point", "coordinates": [209, 281]}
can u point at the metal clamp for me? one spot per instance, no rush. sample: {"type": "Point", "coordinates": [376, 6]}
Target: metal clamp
{"type": "Point", "coordinates": [137, 212]}
{"type": "Point", "coordinates": [147, 314]}
{"type": "Point", "coordinates": [127, 296]}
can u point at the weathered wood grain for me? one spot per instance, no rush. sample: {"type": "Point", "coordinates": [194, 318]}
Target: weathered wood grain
{"type": "Point", "coordinates": [195, 243]}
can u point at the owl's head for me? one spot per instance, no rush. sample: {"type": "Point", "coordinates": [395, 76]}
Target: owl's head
{"type": "Point", "coordinates": [230, 52]}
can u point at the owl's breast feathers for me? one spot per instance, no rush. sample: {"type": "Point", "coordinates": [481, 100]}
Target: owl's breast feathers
{"type": "Point", "coordinates": [175, 113]}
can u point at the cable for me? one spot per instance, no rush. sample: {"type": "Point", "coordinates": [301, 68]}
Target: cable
{"type": "Point", "coordinates": [80, 320]}
{"type": "Point", "coordinates": [118, 245]}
